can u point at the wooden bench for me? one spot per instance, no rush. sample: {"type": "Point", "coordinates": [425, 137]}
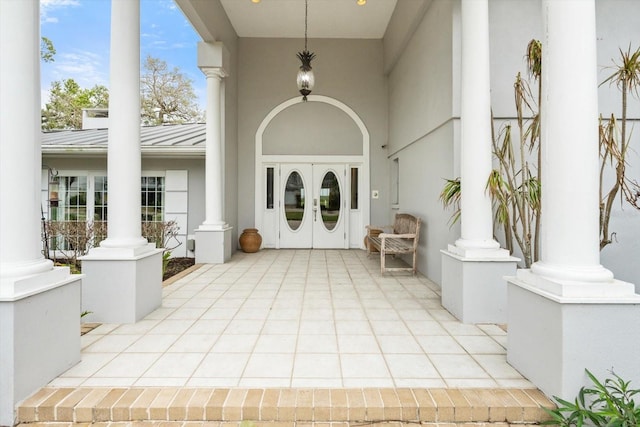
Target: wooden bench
{"type": "Point", "coordinates": [402, 239]}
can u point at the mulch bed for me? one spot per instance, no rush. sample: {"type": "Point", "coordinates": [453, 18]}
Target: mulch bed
{"type": "Point", "coordinates": [177, 265]}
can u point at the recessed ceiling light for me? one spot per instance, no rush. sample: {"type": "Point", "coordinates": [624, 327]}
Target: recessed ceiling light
{"type": "Point", "coordinates": [361, 2]}
{"type": "Point", "coordinates": [255, 1]}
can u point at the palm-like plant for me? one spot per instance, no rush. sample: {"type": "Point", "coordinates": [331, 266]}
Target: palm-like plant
{"type": "Point", "coordinates": [450, 196]}
{"type": "Point", "coordinates": [613, 150]}
{"type": "Point", "coordinates": [514, 185]}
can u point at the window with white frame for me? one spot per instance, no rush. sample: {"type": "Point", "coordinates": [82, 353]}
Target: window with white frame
{"type": "Point", "coordinates": [99, 208]}
{"type": "Point", "coordinates": [152, 198]}
{"type": "Point", "coordinates": [78, 210]}
{"type": "Point", "coordinates": [68, 213]}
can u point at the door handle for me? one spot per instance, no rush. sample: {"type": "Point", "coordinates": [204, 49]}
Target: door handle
{"type": "Point", "coordinates": [315, 209]}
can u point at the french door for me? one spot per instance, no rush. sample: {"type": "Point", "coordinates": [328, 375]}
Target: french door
{"type": "Point", "coordinates": [313, 209]}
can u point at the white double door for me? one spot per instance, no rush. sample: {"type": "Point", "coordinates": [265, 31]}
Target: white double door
{"type": "Point", "coordinates": [313, 209]}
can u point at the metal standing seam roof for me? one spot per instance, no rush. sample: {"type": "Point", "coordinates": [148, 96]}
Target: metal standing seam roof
{"type": "Point", "coordinates": [186, 139]}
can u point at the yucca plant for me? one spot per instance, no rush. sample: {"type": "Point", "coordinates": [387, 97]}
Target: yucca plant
{"type": "Point", "coordinates": [614, 146]}
{"type": "Point", "coordinates": [515, 185]}
{"type": "Point", "coordinates": [534, 65]}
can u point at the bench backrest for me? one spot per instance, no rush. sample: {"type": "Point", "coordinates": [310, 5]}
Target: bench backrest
{"type": "Point", "coordinates": [407, 224]}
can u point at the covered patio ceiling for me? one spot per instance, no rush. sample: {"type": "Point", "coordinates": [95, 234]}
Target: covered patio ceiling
{"type": "Point", "coordinates": [327, 18]}
{"type": "Point", "coordinates": [285, 18]}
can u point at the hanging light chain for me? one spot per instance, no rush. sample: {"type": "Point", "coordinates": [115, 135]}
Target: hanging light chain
{"type": "Point", "coordinates": [306, 8]}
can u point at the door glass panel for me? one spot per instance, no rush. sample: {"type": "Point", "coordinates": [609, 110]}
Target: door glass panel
{"type": "Point", "coordinates": [294, 200]}
{"type": "Point", "coordinates": [354, 188]}
{"type": "Point", "coordinates": [330, 200]}
{"type": "Point", "coordinates": [270, 188]}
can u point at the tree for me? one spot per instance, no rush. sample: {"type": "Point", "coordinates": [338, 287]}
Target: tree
{"type": "Point", "coordinates": [167, 95]}
{"type": "Point", "coordinates": [66, 101]}
{"type": "Point", "coordinates": [47, 51]}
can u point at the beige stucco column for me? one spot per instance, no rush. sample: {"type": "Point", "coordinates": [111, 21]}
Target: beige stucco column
{"type": "Point", "coordinates": [213, 236]}
{"type": "Point", "coordinates": [124, 274]}
{"type": "Point", "coordinates": [568, 313]}
{"type": "Point", "coordinates": [473, 268]}
{"type": "Point", "coordinates": [39, 303]}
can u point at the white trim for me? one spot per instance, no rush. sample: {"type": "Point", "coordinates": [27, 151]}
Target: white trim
{"type": "Point", "coordinates": [54, 150]}
{"type": "Point", "coordinates": [362, 161]}
{"type": "Point", "coordinates": [283, 158]}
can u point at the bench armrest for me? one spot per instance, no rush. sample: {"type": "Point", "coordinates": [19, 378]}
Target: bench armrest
{"type": "Point", "coordinates": [378, 227]}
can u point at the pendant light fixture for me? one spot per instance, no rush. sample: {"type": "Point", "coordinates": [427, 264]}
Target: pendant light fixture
{"type": "Point", "coordinates": [305, 77]}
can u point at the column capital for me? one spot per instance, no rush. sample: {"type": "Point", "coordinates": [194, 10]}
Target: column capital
{"type": "Point", "coordinates": [218, 73]}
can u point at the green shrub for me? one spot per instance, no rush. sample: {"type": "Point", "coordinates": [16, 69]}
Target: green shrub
{"type": "Point", "coordinates": [605, 405]}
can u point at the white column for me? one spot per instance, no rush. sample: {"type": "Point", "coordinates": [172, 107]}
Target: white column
{"type": "Point", "coordinates": [39, 303]}
{"type": "Point", "coordinates": [20, 158]}
{"type": "Point", "coordinates": [214, 179]}
{"type": "Point", "coordinates": [124, 274]}
{"type": "Point", "coordinates": [124, 158]}
{"type": "Point", "coordinates": [214, 235]}
{"type": "Point", "coordinates": [568, 300]}
{"type": "Point", "coordinates": [476, 214]}
{"type": "Point", "coordinates": [473, 288]}
{"type": "Point", "coordinates": [570, 216]}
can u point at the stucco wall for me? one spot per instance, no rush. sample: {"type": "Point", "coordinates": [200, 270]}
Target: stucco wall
{"type": "Point", "coordinates": [307, 122]}
{"type": "Point", "coordinates": [350, 71]}
{"type": "Point", "coordinates": [422, 129]}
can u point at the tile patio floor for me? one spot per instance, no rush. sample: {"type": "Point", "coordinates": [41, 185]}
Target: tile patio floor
{"type": "Point", "coordinates": [296, 318]}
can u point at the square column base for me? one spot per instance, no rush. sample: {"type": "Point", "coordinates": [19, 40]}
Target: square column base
{"type": "Point", "coordinates": [552, 340]}
{"type": "Point", "coordinates": [213, 246]}
{"type": "Point", "coordinates": [121, 286]}
{"type": "Point", "coordinates": [474, 289]}
{"type": "Point", "coordinates": [39, 337]}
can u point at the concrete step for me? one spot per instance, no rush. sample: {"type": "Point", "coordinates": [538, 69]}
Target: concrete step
{"type": "Point", "coordinates": [264, 424]}
{"type": "Point", "coordinates": [175, 406]}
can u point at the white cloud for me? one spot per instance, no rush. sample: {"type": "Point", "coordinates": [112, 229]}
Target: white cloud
{"type": "Point", "coordinates": [86, 68]}
{"type": "Point", "coordinates": [58, 3]}
{"type": "Point", "coordinates": [53, 3]}
{"type": "Point", "coordinates": [47, 6]}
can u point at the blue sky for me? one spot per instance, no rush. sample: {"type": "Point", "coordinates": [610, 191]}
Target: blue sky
{"type": "Point", "coordinates": [79, 30]}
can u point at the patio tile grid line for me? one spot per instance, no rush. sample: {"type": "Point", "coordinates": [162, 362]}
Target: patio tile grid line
{"type": "Point", "coordinates": [296, 318]}
{"type": "Point", "coordinates": [369, 405]}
